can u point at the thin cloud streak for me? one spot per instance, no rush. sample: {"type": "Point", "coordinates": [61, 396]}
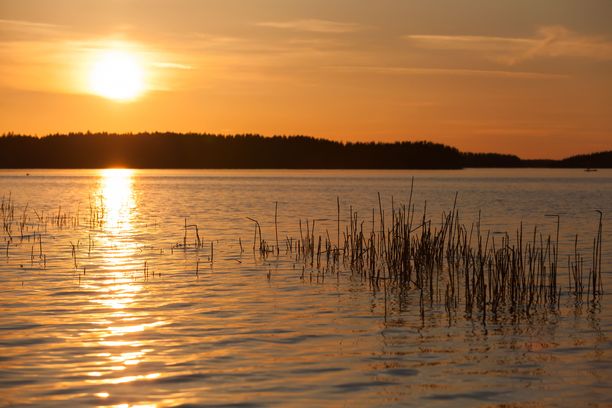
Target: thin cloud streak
{"type": "Point", "coordinates": [25, 25]}
{"type": "Point", "coordinates": [385, 70]}
{"type": "Point", "coordinates": [549, 42]}
{"type": "Point", "coordinates": [314, 26]}
{"type": "Point", "coordinates": [21, 30]}
{"type": "Point", "coordinates": [171, 65]}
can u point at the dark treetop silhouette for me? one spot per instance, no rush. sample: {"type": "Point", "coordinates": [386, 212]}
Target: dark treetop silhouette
{"type": "Point", "coordinates": [174, 150]}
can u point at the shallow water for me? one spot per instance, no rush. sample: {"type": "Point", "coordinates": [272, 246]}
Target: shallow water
{"type": "Point", "coordinates": [128, 317]}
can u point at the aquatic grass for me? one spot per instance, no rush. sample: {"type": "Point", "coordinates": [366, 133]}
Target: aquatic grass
{"type": "Point", "coordinates": [451, 262]}
{"type": "Point", "coordinates": [441, 259]}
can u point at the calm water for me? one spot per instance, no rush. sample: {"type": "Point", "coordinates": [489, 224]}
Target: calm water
{"type": "Point", "coordinates": [115, 314]}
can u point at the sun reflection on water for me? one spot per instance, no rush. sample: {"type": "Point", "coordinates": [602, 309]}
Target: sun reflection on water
{"type": "Point", "coordinates": [116, 190]}
{"type": "Point", "coordinates": [120, 331]}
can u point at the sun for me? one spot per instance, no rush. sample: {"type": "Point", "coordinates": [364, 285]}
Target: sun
{"type": "Point", "coordinates": [117, 75]}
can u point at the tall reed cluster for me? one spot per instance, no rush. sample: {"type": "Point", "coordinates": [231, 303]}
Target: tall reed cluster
{"type": "Point", "coordinates": [448, 261]}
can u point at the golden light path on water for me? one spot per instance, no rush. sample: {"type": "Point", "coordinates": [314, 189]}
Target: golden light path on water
{"type": "Point", "coordinates": [116, 192]}
{"type": "Point", "coordinates": [117, 291]}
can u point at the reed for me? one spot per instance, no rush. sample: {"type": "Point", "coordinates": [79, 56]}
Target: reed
{"type": "Point", "coordinates": [198, 242]}
{"type": "Point", "coordinates": [456, 263]}
{"type": "Point", "coordinates": [276, 225]}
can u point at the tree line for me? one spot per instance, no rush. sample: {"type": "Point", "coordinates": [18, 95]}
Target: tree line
{"type": "Point", "coordinates": [194, 150]}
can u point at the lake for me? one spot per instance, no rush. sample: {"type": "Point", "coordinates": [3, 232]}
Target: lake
{"type": "Point", "coordinates": [110, 296]}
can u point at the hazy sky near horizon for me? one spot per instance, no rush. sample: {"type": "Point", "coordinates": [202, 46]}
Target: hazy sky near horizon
{"type": "Point", "coordinates": [528, 77]}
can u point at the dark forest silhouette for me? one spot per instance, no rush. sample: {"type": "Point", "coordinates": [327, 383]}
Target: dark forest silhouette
{"type": "Point", "coordinates": [174, 150]}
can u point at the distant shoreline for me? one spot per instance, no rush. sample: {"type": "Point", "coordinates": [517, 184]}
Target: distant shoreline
{"type": "Point", "coordinates": [580, 169]}
{"type": "Point", "coordinates": [246, 152]}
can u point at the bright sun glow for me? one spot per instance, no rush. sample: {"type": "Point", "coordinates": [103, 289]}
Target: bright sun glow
{"type": "Point", "coordinates": [117, 75]}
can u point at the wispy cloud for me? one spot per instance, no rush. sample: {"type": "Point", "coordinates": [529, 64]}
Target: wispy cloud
{"type": "Point", "coordinates": [62, 65]}
{"type": "Point", "coordinates": [11, 30]}
{"type": "Point", "coordinates": [314, 26]}
{"type": "Point", "coordinates": [548, 42]}
{"type": "Point", "coordinates": [387, 70]}
{"type": "Point", "coordinates": [170, 65]}
{"type": "Point", "coordinates": [26, 25]}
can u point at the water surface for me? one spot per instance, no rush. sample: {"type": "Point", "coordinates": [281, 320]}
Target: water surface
{"type": "Point", "coordinates": [103, 307]}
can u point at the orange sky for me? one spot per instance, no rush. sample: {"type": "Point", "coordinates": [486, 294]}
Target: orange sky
{"type": "Point", "coordinates": [529, 77]}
